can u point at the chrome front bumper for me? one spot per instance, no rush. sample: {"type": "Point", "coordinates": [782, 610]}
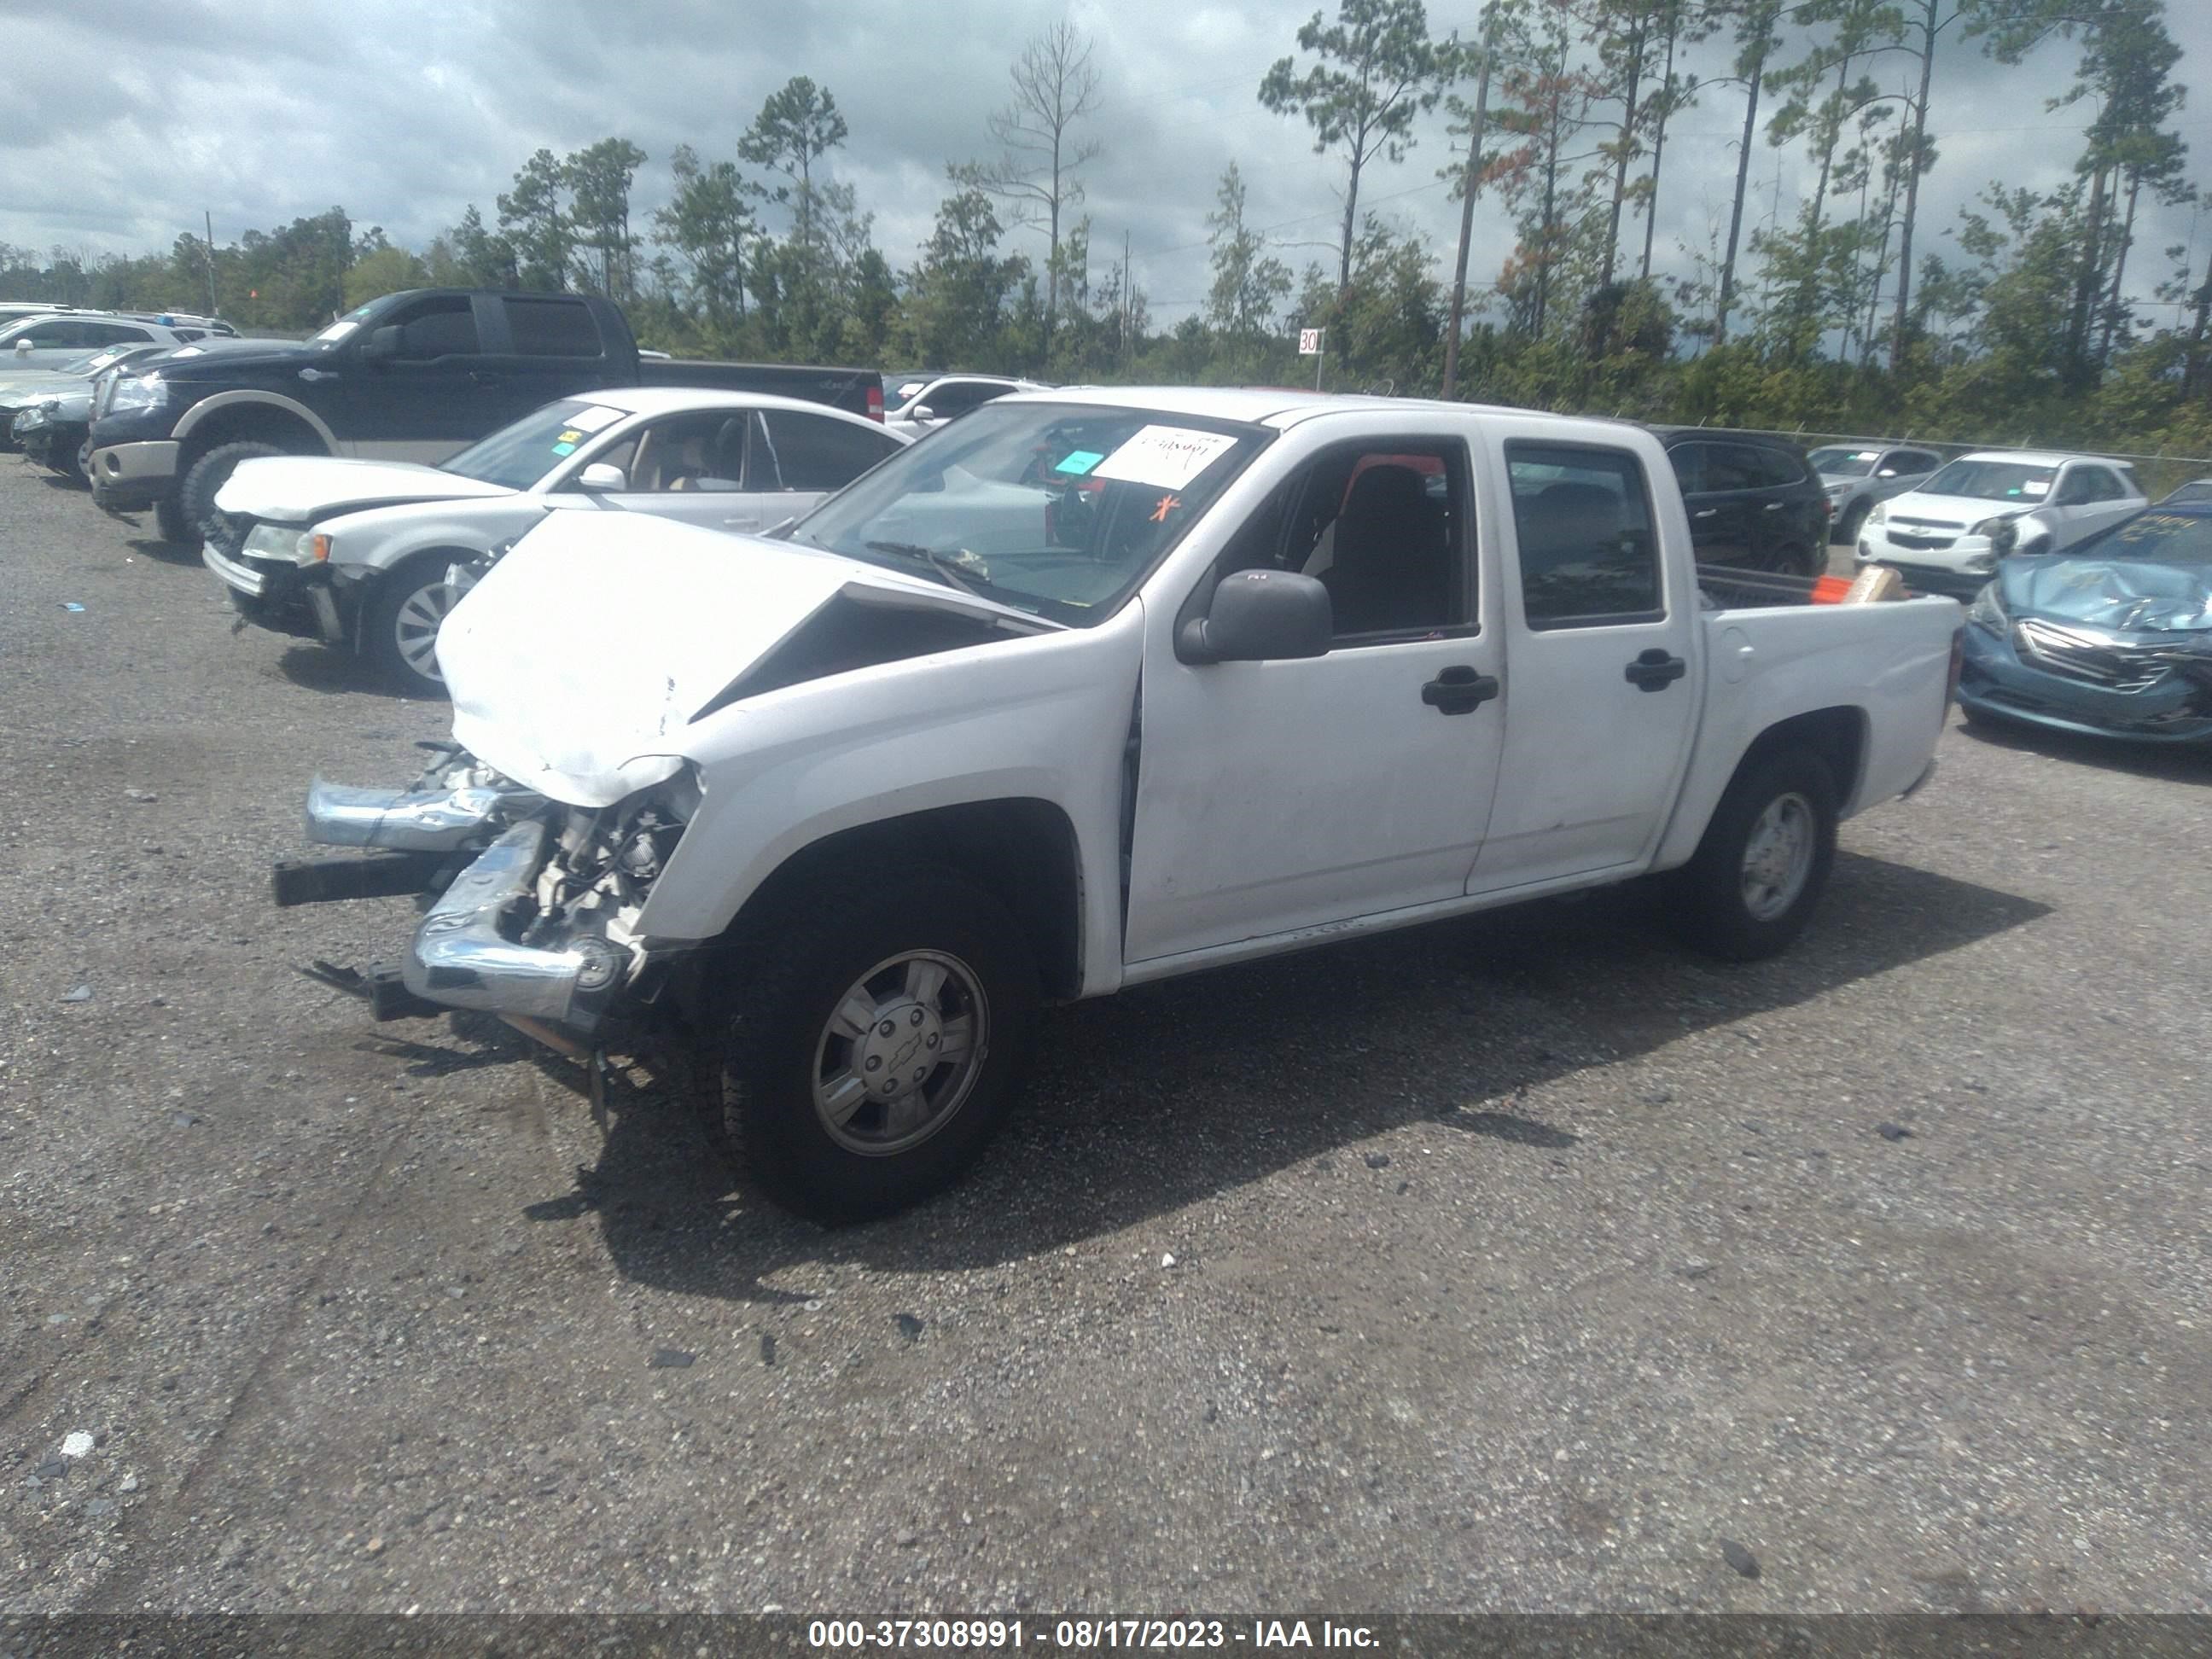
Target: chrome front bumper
{"type": "Point", "coordinates": [431, 821]}
{"type": "Point", "coordinates": [461, 959]}
{"type": "Point", "coordinates": [244, 578]}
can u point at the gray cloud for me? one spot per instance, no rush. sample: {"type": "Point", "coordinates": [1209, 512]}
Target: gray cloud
{"type": "Point", "coordinates": [136, 118]}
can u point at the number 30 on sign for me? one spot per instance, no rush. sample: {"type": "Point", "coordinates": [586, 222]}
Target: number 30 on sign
{"type": "Point", "coordinates": [1308, 343]}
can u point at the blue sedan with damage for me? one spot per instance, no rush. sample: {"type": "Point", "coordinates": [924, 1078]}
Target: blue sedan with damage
{"type": "Point", "coordinates": [2112, 638]}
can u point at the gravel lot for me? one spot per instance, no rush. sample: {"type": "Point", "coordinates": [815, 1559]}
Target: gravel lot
{"type": "Point", "coordinates": [1516, 1263]}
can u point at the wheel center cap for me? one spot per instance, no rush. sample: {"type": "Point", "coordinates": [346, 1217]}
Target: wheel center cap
{"type": "Point", "coordinates": [900, 1047]}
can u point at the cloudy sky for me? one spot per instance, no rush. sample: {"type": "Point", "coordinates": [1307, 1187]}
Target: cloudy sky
{"type": "Point", "coordinates": [125, 119]}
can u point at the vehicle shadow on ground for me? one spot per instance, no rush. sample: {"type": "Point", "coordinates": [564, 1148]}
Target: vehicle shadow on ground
{"type": "Point", "coordinates": [1142, 1103]}
{"type": "Point", "coordinates": [2171, 764]}
{"type": "Point", "coordinates": [53, 480]}
{"type": "Point", "coordinates": [164, 552]}
{"type": "Point", "coordinates": [330, 669]}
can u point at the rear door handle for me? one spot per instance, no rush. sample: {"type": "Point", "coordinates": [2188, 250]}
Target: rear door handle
{"type": "Point", "coordinates": [485, 377]}
{"type": "Point", "coordinates": [1459, 690]}
{"type": "Point", "coordinates": [1654, 670]}
{"type": "Point", "coordinates": [1706, 513]}
{"type": "Point", "coordinates": [1776, 506]}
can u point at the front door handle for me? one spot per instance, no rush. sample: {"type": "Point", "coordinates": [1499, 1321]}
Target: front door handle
{"type": "Point", "coordinates": [1776, 506]}
{"type": "Point", "coordinates": [1654, 670]}
{"type": "Point", "coordinates": [1459, 690]}
{"type": "Point", "coordinates": [1706, 513]}
{"type": "Point", "coordinates": [485, 377]}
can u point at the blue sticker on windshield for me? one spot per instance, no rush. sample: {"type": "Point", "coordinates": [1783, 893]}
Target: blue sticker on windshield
{"type": "Point", "coordinates": [1080, 461]}
{"type": "Point", "coordinates": [564, 449]}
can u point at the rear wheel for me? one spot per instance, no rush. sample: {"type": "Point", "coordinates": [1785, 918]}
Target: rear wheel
{"type": "Point", "coordinates": [203, 477]}
{"type": "Point", "coordinates": [1854, 520]}
{"type": "Point", "coordinates": [1765, 859]}
{"type": "Point", "coordinates": [399, 630]}
{"type": "Point", "coordinates": [860, 1063]}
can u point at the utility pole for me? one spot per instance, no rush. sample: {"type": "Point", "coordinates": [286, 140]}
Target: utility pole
{"type": "Point", "coordinates": [1128, 308]}
{"type": "Point", "coordinates": [210, 217]}
{"type": "Point", "coordinates": [1468, 185]}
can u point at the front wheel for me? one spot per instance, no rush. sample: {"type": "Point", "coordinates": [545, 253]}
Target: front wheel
{"type": "Point", "coordinates": [203, 477]}
{"type": "Point", "coordinates": [1855, 518]}
{"type": "Point", "coordinates": [169, 519]}
{"type": "Point", "coordinates": [399, 630]}
{"type": "Point", "coordinates": [1765, 859]}
{"type": "Point", "coordinates": [875, 1044]}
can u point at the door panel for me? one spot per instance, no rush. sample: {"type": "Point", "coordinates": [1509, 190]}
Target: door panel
{"type": "Point", "coordinates": [1282, 795]}
{"type": "Point", "coordinates": [426, 400]}
{"type": "Point", "coordinates": [1606, 679]}
{"type": "Point", "coordinates": [1721, 529]}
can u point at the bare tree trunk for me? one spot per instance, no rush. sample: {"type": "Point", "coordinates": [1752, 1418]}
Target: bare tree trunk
{"type": "Point", "coordinates": [2112, 308]}
{"type": "Point", "coordinates": [1627, 143]}
{"type": "Point", "coordinates": [2192, 375]}
{"type": "Point", "coordinates": [1912, 155]}
{"type": "Point", "coordinates": [1468, 185]}
{"type": "Point", "coordinates": [1743, 185]}
{"type": "Point", "coordinates": [2088, 283]}
{"type": "Point", "coordinates": [1658, 150]}
{"type": "Point", "coordinates": [1350, 207]}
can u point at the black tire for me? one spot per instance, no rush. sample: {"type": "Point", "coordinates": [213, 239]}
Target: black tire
{"type": "Point", "coordinates": [1792, 560]}
{"type": "Point", "coordinates": [207, 475]}
{"type": "Point", "coordinates": [1981, 720]}
{"type": "Point", "coordinates": [1715, 907]}
{"type": "Point", "coordinates": [1854, 520]}
{"type": "Point", "coordinates": [769, 1038]}
{"type": "Point", "coordinates": [169, 519]}
{"type": "Point", "coordinates": [402, 617]}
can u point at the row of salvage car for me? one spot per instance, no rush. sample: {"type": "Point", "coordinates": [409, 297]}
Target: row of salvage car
{"type": "Point", "coordinates": [819, 789]}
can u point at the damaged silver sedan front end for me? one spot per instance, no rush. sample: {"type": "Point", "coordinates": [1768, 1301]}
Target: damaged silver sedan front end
{"type": "Point", "coordinates": [533, 905]}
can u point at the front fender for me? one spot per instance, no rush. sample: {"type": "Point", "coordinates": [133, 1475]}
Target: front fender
{"type": "Point", "coordinates": [1045, 718]}
{"type": "Point", "coordinates": [368, 543]}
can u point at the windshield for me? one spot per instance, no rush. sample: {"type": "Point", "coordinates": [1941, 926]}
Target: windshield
{"type": "Point", "coordinates": [2198, 490]}
{"type": "Point", "coordinates": [518, 456]}
{"type": "Point", "coordinates": [2154, 538]}
{"type": "Point", "coordinates": [1842, 463]}
{"type": "Point", "coordinates": [1993, 481]}
{"type": "Point", "coordinates": [345, 325]}
{"type": "Point", "coordinates": [1057, 509]}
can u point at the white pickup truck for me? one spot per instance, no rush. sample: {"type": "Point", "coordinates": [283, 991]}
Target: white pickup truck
{"type": "Point", "coordinates": [1091, 688]}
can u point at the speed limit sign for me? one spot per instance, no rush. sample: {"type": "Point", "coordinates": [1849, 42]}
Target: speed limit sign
{"type": "Point", "coordinates": [1308, 343]}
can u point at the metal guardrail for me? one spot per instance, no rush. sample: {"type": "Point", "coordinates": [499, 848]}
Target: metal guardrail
{"type": "Point", "coordinates": [1812, 438]}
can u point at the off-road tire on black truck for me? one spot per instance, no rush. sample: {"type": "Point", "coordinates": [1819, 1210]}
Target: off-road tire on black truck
{"type": "Point", "coordinates": [1760, 871]}
{"type": "Point", "coordinates": [169, 519]}
{"type": "Point", "coordinates": [196, 492]}
{"type": "Point", "coordinates": [775, 1046]}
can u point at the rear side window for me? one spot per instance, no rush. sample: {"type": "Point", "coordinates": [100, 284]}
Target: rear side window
{"type": "Point", "coordinates": [1778, 468]}
{"type": "Point", "coordinates": [953, 398]}
{"type": "Point", "coordinates": [812, 451]}
{"type": "Point", "coordinates": [1733, 466]}
{"type": "Point", "coordinates": [1582, 518]}
{"type": "Point", "coordinates": [114, 334]}
{"type": "Point", "coordinates": [1910, 463]}
{"type": "Point", "coordinates": [552, 328]}
{"type": "Point", "coordinates": [1689, 461]}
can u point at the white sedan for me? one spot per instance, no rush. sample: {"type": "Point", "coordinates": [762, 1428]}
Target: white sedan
{"type": "Point", "coordinates": [356, 553]}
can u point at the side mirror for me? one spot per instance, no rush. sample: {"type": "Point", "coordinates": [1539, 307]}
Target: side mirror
{"type": "Point", "coordinates": [920, 412]}
{"type": "Point", "coordinates": [1259, 616]}
{"type": "Point", "coordinates": [1887, 472]}
{"type": "Point", "coordinates": [603, 475]}
{"type": "Point", "coordinates": [22, 346]}
{"type": "Point", "coordinates": [381, 345]}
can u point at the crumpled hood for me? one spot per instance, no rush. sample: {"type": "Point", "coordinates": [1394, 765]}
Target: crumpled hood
{"type": "Point", "coordinates": [577, 664]}
{"type": "Point", "coordinates": [296, 488]}
{"type": "Point", "coordinates": [2122, 595]}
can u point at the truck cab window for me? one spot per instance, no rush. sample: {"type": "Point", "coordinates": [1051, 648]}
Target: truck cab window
{"type": "Point", "coordinates": [552, 328]}
{"type": "Point", "coordinates": [1583, 521]}
{"type": "Point", "coordinates": [1383, 526]}
{"type": "Point", "coordinates": [437, 328]}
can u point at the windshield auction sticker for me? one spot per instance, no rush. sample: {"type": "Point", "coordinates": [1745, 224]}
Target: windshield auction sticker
{"type": "Point", "coordinates": [1168, 457]}
{"type": "Point", "coordinates": [593, 416]}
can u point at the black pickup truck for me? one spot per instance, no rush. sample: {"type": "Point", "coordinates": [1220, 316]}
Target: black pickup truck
{"type": "Point", "coordinates": [415, 376]}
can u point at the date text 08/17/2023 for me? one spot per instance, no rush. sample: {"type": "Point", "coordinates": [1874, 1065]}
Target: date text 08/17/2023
{"type": "Point", "coordinates": [1083, 1634]}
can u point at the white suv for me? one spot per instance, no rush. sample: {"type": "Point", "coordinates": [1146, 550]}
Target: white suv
{"type": "Point", "coordinates": [46, 339]}
{"type": "Point", "coordinates": [1946, 535]}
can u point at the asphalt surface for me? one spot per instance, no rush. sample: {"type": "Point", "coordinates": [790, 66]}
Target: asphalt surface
{"type": "Point", "coordinates": [1523, 1263]}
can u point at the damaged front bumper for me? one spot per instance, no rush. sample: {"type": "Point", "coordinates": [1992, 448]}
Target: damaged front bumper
{"type": "Point", "coordinates": [465, 954]}
{"type": "Point", "coordinates": [531, 904]}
